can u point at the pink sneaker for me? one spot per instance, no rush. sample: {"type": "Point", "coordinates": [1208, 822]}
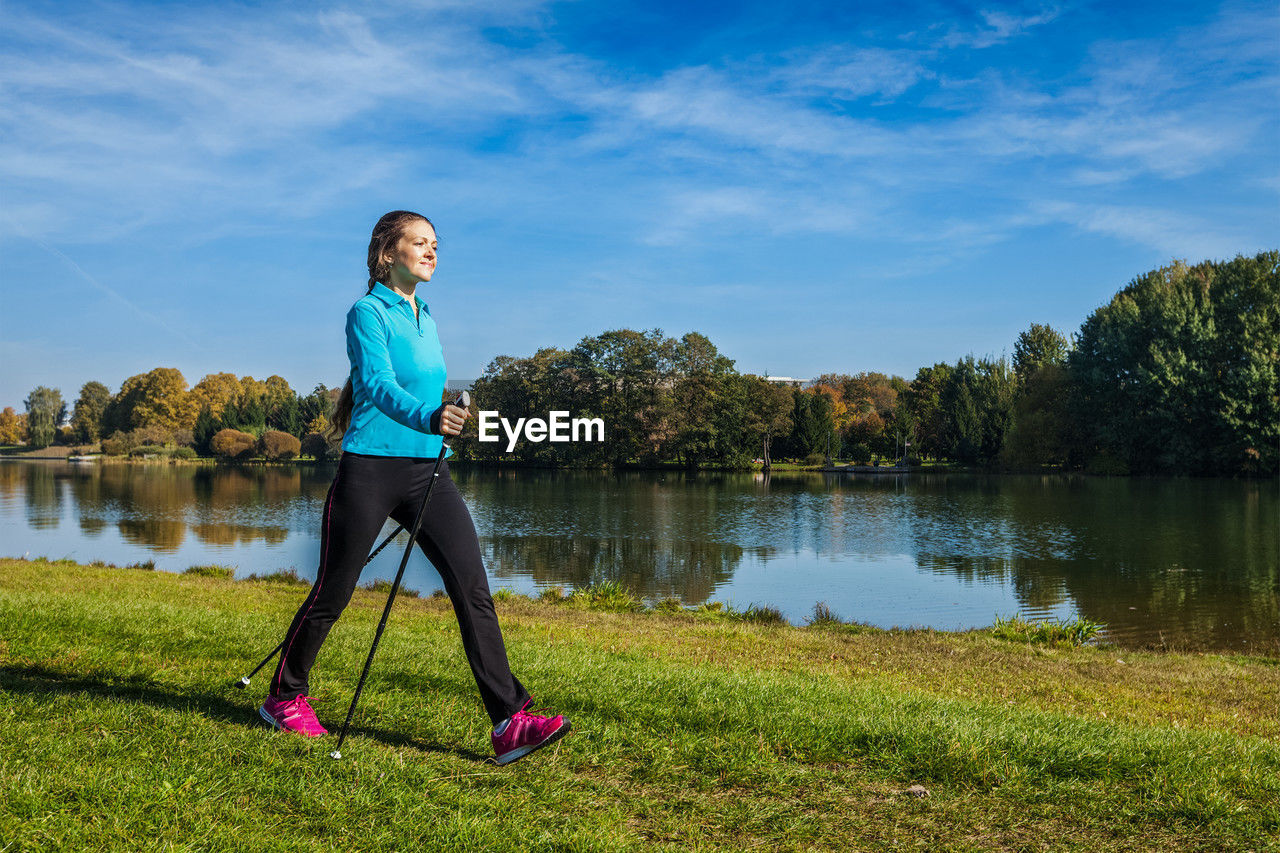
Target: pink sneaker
{"type": "Point", "coordinates": [292, 715]}
{"type": "Point", "coordinates": [527, 732]}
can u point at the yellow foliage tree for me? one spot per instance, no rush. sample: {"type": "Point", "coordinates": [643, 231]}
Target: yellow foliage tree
{"type": "Point", "coordinates": [163, 400]}
{"type": "Point", "coordinates": [215, 391]}
{"type": "Point", "coordinates": [252, 389]}
{"type": "Point", "coordinates": [12, 428]}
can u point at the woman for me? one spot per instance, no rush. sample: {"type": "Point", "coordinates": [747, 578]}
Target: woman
{"type": "Point", "coordinates": [392, 429]}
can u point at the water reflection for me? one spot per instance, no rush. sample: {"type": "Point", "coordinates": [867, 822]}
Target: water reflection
{"type": "Point", "coordinates": [1180, 560]}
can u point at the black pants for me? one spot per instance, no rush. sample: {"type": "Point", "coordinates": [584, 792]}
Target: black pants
{"type": "Point", "coordinates": [365, 491]}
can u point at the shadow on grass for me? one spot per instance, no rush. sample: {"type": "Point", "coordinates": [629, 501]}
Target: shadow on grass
{"type": "Point", "coordinates": [40, 681]}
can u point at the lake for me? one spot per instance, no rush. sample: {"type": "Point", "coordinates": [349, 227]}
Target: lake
{"type": "Point", "coordinates": [1183, 562]}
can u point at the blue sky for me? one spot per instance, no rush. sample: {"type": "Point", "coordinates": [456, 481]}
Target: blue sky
{"type": "Point", "coordinates": [815, 186]}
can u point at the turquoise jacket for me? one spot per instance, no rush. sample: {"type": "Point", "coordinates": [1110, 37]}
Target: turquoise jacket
{"type": "Point", "coordinates": [397, 376]}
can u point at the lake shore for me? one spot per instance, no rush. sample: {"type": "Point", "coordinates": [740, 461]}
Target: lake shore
{"type": "Point", "coordinates": [693, 731]}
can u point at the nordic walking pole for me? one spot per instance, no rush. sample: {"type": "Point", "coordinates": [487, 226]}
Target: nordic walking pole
{"type": "Point", "coordinates": [463, 402]}
{"type": "Point", "coordinates": [244, 679]}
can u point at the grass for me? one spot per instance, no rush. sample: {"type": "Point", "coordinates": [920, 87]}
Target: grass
{"type": "Point", "coordinates": [1075, 631]}
{"type": "Point", "coordinates": [693, 730]}
{"type": "Point", "coordinates": [223, 572]}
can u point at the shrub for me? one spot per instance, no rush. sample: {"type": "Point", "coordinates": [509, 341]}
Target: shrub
{"type": "Point", "coordinates": [912, 461]}
{"type": "Point", "coordinates": [278, 445]}
{"type": "Point", "coordinates": [233, 444]}
{"type": "Point", "coordinates": [119, 444]}
{"type": "Point", "coordinates": [814, 459]}
{"type": "Point", "coordinates": [314, 445]}
{"type": "Point", "coordinates": [184, 453]}
{"type": "Point", "coordinates": [860, 453]}
{"type": "Point", "coordinates": [152, 435]}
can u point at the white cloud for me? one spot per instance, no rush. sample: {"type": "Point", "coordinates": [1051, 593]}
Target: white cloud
{"type": "Point", "coordinates": [848, 72]}
{"type": "Point", "coordinates": [1169, 232]}
{"type": "Point", "coordinates": [998, 26]}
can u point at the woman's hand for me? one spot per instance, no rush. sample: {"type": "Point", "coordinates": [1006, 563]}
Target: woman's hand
{"type": "Point", "coordinates": [452, 418]}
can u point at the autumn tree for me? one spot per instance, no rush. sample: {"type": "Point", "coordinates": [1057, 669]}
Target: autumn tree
{"type": "Point", "coordinates": [215, 391]}
{"type": "Point", "coordinates": [13, 429]}
{"type": "Point", "coordinates": [158, 397]}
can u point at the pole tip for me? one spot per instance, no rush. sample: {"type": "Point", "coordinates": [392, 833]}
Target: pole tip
{"type": "Point", "coordinates": [243, 682]}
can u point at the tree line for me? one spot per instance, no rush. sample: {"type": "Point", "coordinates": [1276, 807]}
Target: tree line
{"type": "Point", "coordinates": [156, 413]}
{"type": "Point", "coordinates": [1178, 372]}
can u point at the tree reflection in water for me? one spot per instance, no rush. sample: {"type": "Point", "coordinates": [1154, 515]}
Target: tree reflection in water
{"type": "Point", "coordinates": [1189, 561]}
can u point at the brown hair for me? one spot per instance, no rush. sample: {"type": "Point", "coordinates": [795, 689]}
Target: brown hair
{"type": "Point", "coordinates": [386, 234]}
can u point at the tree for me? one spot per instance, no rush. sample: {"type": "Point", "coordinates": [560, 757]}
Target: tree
{"type": "Point", "coordinates": [768, 414]}
{"type": "Point", "coordinates": [923, 401]}
{"type": "Point", "coordinates": [700, 399]}
{"type": "Point", "coordinates": [313, 444]}
{"type": "Point", "coordinates": [625, 376]}
{"type": "Point", "coordinates": [281, 407]}
{"type": "Point", "coordinates": [91, 405]}
{"type": "Point", "coordinates": [313, 409]}
{"type": "Point", "coordinates": [13, 428]}
{"type": "Point", "coordinates": [976, 406]}
{"type": "Point", "coordinates": [1039, 346]}
{"type": "Point", "coordinates": [813, 425]}
{"type": "Point", "coordinates": [45, 412]}
{"type": "Point", "coordinates": [215, 391]}
{"type": "Point", "coordinates": [206, 427]}
{"type": "Point", "coordinates": [158, 397]}
{"type": "Point", "coordinates": [1040, 433]}
{"type": "Point", "coordinates": [1179, 372]}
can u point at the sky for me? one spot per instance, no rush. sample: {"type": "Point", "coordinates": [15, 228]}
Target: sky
{"type": "Point", "coordinates": [816, 187]}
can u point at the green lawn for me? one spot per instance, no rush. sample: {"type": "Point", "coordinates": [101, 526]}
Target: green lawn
{"type": "Point", "coordinates": [119, 731]}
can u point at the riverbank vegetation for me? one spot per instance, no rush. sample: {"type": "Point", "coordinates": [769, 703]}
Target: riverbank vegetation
{"type": "Point", "coordinates": [692, 731]}
{"type": "Point", "coordinates": [1178, 373]}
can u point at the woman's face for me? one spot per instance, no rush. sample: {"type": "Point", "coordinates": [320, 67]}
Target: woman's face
{"type": "Point", "coordinates": [413, 259]}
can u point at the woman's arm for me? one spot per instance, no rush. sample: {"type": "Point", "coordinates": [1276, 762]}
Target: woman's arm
{"type": "Point", "coordinates": [367, 344]}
